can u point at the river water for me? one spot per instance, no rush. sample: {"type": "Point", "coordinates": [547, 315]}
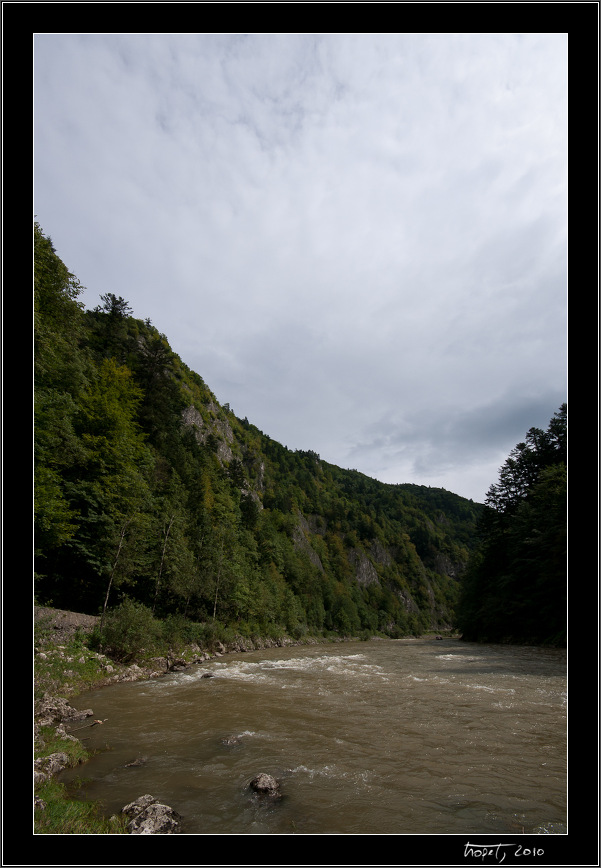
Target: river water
{"type": "Point", "coordinates": [409, 736]}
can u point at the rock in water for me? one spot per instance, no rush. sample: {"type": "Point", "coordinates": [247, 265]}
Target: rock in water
{"type": "Point", "coordinates": [149, 817]}
{"type": "Point", "coordinates": [265, 784]}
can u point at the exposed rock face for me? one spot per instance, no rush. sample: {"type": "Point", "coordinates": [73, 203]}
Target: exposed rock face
{"type": "Point", "coordinates": [149, 817]}
{"type": "Point", "coordinates": [218, 426]}
{"type": "Point", "coordinates": [365, 572]}
{"type": "Point", "coordinates": [445, 566]}
{"type": "Point", "coordinates": [408, 602]}
{"type": "Point", "coordinates": [302, 544]}
{"type": "Point", "coordinates": [381, 554]}
{"type": "Point", "coordinates": [192, 419]}
{"type": "Point", "coordinates": [265, 784]}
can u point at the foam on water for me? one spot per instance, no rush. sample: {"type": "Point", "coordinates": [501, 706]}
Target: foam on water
{"type": "Point", "coordinates": [395, 738]}
{"type": "Point", "coordinates": [352, 665]}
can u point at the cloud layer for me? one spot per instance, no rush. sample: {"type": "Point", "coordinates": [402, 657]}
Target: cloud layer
{"type": "Point", "coordinates": [358, 241]}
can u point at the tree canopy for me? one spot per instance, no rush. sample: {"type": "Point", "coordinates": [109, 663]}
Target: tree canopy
{"type": "Point", "coordinates": [515, 588]}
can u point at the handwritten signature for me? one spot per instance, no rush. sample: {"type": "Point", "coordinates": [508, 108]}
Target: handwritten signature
{"type": "Point", "coordinates": [498, 852]}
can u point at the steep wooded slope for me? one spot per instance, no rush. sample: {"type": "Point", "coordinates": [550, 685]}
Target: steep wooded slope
{"type": "Point", "coordinates": [146, 488]}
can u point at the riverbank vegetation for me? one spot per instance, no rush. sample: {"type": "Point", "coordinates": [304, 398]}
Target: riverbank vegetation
{"type": "Point", "coordinates": [58, 813]}
{"type": "Point", "coordinates": [65, 816]}
{"type": "Point", "coordinates": [64, 670]}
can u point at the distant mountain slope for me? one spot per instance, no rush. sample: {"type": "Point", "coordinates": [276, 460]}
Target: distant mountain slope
{"type": "Point", "coordinates": [146, 488]}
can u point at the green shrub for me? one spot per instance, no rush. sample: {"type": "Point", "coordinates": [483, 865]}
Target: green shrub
{"type": "Point", "coordinates": [215, 632]}
{"type": "Point", "coordinates": [129, 631]}
{"type": "Point", "coordinates": [179, 631]}
{"type": "Point", "coordinates": [274, 632]}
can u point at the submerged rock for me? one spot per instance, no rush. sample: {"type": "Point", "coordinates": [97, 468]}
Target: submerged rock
{"type": "Point", "coordinates": [139, 761]}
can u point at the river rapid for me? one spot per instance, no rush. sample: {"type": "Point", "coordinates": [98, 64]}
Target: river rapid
{"type": "Point", "coordinates": [409, 736]}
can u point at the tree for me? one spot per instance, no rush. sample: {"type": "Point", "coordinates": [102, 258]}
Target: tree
{"type": "Point", "coordinates": [162, 402]}
{"type": "Point", "coordinates": [111, 322]}
{"type": "Point", "coordinates": [105, 488]}
{"type": "Point", "coordinates": [527, 460]}
{"type": "Point", "coordinates": [116, 307]}
{"type": "Point", "coordinates": [61, 369]}
{"type": "Point", "coordinates": [515, 585]}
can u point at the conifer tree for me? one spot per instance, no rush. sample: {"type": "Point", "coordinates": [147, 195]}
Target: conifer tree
{"type": "Point", "coordinates": [515, 585]}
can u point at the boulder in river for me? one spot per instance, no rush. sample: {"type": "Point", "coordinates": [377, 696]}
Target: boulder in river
{"type": "Point", "coordinates": [149, 817]}
{"type": "Point", "coordinates": [265, 784]}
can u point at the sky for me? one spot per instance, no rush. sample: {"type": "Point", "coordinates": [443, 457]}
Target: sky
{"type": "Point", "coordinates": [359, 241]}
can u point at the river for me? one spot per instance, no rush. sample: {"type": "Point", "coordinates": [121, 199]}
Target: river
{"type": "Point", "coordinates": [409, 736]}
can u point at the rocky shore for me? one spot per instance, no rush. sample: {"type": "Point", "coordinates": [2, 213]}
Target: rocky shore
{"type": "Point", "coordinates": [62, 626]}
{"type": "Point", "coordinates": [144, 816]}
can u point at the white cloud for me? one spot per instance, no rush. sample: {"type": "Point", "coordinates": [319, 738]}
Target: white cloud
{"type": "Point", "coordinates": [357, 240]}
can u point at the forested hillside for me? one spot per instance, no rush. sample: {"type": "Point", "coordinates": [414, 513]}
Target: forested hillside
{"type": "Point", "coordinates": [148, 491]}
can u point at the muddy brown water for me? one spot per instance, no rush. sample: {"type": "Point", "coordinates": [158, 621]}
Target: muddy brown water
{"type": "Point", "coordinates": [382, 737]}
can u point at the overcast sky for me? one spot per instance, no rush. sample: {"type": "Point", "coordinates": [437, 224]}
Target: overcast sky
{"type": "Point", "coordinates": [357, 240]}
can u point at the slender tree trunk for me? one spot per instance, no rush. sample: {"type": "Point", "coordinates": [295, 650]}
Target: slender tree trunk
{"type": "Point", "coordinates": [156, 592]}
{"type": "Point", "coordinates": [218, 580]}
{"type": "Point", "coordinates": [215, 602]}
{"type": "Point", "coordinates": [108, 590]}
